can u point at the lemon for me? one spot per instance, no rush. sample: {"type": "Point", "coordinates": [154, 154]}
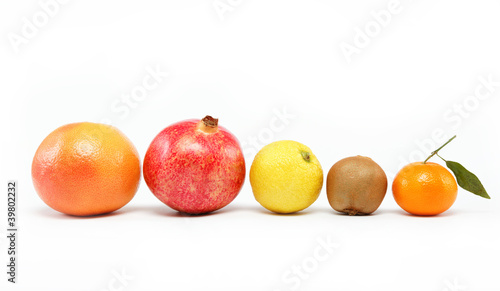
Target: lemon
{"type": "Point", "coordinates": [286, 177]}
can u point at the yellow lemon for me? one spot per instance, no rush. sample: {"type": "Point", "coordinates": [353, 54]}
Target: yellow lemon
{"type": "Point", "coordinates": [286, 177]}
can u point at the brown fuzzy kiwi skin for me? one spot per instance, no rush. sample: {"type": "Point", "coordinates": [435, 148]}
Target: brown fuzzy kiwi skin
{"type": "Point", "coordinates": [356, 186]}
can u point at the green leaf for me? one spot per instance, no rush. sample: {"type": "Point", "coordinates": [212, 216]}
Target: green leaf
{"type": "Point", "coordinates": [467, 180]}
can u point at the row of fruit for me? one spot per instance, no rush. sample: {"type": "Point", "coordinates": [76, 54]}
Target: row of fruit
{"type": "Point", "coordinates": [197, 166]}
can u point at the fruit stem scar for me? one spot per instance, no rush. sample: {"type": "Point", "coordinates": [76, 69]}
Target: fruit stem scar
{"type": "Point", "coordinates": [208, 124]}
{"type": "Point", "coordinates": [306, 156]}
{"type": "Point", "coordinates": [352, 212]}
{"type": "Point", "coordinates": [436, 151]}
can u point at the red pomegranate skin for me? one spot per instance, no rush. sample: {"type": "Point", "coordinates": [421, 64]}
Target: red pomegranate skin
{"type": "Point", "coordinates": [193, 171]}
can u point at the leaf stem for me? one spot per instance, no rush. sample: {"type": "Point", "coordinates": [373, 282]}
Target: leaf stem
{"type": "Point", "coordinates": [436, 151]}
{"type": "Point", "coordinates": [440, 157]}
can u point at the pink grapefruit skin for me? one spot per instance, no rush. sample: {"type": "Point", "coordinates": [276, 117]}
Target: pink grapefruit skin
{"type": "Point", "coordinates": [195, 167]}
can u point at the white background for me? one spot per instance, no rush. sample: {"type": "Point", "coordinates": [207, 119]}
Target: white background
{"type": "Point", "coordinates": [395, 98]}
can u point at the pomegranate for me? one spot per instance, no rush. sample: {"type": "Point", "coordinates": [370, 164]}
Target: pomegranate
{"type": "Point", "coordinates": [195, 166]}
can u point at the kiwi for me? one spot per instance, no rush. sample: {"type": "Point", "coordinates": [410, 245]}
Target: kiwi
{"type": "Point", "coordinates": [356, 186]}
